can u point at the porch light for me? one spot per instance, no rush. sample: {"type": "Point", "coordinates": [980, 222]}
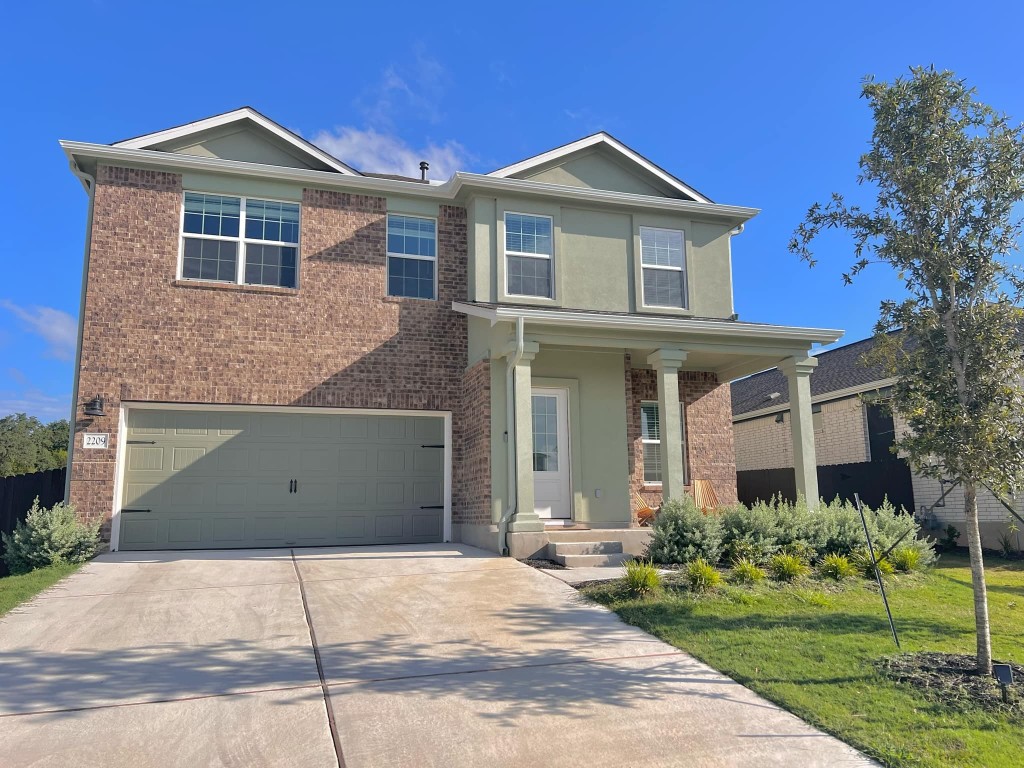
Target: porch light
{"type": "Point", "coordinates": [95, 407]}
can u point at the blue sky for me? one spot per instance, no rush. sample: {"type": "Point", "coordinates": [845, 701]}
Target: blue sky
{"type": "Point", "coordinates": [751, 103]}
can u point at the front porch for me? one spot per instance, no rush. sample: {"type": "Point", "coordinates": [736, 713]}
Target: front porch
{"type": "Point", "coordinates": [588, 408]}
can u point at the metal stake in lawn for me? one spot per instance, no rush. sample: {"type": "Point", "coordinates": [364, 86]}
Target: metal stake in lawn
{"type": "Point", "coordinates": [874, 564]}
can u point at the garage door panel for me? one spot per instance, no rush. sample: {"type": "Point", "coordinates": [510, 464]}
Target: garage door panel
{"type": "Point", "coordinates": [223, 479]}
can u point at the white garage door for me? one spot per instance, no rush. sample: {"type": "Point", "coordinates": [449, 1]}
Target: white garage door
{"type": "Point", "coordinates": [223, 479]}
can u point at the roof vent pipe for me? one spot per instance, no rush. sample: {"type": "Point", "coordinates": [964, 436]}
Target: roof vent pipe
{"type": "Point", "coordinates": [424, 167]}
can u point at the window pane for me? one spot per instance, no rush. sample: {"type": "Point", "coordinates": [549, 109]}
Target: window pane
{"type": "Point", "coordinates": [663, 288]}
{"type": "Point", "coordinates": [209, 260]}
{"type": "Point", "coordinates": [212, 214]}
{"type": "Point", "coordinates": [650, 429]}
{"type": "Point", "coordinates": [411, 235]}
{"type": "Point", "coordinates": [267, 220]}
{"type": "Point", "coordinates": [412, 278]}
{"type": "Point", "coordinates": [661, 247]}
{"type": "Point", "coordinates": [529, 277]}
{"type": "Point", "coordinates": [545, 433]}
{"type": "Point", "coordinates": [528, 234]}
{"type": "Point", "coordinates": [270, 265]}
{"type": "Point", "coordinates": [652, 462]}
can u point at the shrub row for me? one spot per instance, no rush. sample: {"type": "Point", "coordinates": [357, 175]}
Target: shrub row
{"type": "Point", "coordinates": [767, 530]}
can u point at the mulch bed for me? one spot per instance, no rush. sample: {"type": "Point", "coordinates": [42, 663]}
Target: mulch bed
{"type": "Point", "coordinates": [547, 565]}
{"type": "Point", "coordinates": [953, 679]}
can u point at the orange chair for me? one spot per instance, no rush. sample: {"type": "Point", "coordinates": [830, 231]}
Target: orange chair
{"type": "Point", "coordinates": [704, 496]}
{"type": "Point", "coordinates": [644, 512]}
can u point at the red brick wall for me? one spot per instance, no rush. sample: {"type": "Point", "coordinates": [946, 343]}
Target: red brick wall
{"type": "Point", "coordinates": [473, 490]}
{"type": "Point", "coordinates": [707, 408]}
{"type": "Point", "coordinates": [337, 340]}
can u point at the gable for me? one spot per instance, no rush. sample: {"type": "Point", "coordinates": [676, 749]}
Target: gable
{"type": "Point", "coordinates": [601, 162]}
{"type": "Point", "coordinates": [243, 135]}
{"type": "Point", "coordinates": [596, 170]}
{"type": "Point", "coordinates": [247, 144]}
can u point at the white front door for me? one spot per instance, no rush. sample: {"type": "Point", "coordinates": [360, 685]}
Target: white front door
{"type": "Point", "coordinates": [552, 497]}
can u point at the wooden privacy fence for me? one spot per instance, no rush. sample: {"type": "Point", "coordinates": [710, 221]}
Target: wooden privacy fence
{"type": "Point", "coordinates": [873, 480]}
{"type": "Point", "coordinates": [17, 493]}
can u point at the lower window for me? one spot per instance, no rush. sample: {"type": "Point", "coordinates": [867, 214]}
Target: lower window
{"type": "Point", "coordinates": [650, 439]}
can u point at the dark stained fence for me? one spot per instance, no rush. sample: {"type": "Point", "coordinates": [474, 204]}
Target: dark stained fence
{"type": "Point", "coordinates": [17, 494]}
{"type": "Point", "coordinates": [873, 480]}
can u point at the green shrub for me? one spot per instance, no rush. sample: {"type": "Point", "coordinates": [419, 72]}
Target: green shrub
{"type": "Point", "coordinates": [786, 567]}
{"type": "Point", "coordinates": [702, 576]}
{"type": "Point", "coordinates": [905, 559]}
{"type": "Point", "coordinates": [746, 571]}
{"type": "Point", "coordinates": [641, 578]}
{"type": "Point", "coordinates": [49, 537]}
{"type": "Point", "coordinates": [682, 533]}
{"type": "Point", "coordinates": [950, 537]}
{"type": "Point", "coordinates": [836, 566]}
{"type": "Point", "coordinates": [861, 560]}
{"type": "Point", "coordinates": [751, 533]}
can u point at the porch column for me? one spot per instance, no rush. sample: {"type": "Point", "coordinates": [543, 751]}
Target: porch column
{"type": "Point", "coordinates": [666, 364]}
{"type": "Point", "coordinates": [798, 372]}
{"type": "Point", "coordinates": [521, 432]}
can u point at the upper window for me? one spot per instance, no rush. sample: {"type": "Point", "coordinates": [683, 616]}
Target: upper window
{"type": "Point", "coordinates": [664, 267]}
{"type": "Point", "coordinates": [240, 240]}
{"type": "Point", "coordinates": [650, 438]}
{"type": "Point", "coordinates": [412, 257]}
{"type": "Point", "coordinates": [528, 251]}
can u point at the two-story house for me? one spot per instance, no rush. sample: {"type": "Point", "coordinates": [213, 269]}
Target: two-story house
{"type": "Point", "coordinates": [279, 350]}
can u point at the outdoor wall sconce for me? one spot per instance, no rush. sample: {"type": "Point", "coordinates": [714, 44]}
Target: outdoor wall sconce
{"type": "Point", "coordinates": [95, 407]}
{"type": "Point", "coordinates": [779, 418]}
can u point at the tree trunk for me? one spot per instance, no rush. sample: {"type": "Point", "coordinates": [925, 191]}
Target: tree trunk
{"type": "Point", "coordinates": [978, 580]}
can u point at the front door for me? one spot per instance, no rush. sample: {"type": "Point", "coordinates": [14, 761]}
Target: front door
{"type": "Point", "coordinates": [552, 497]}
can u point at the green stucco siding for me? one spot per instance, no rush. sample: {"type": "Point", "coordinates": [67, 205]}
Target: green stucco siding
{"type": "Point", "coordinates": [593, 170]}
{"type": "Point", "coordinates": [595, 250]}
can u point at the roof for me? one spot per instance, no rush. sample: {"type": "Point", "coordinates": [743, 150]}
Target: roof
{"type": "Point", "coordinates": [606, 140]}
{"type": "Point", "coordinates": [597, 319]}
{"type": "Point", "coordinates": [839, 370]}
{"type": "Point", "coordinates": [240, 115]}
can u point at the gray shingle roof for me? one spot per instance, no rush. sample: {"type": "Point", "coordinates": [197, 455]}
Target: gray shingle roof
{"type": "Point", "coordinates": [838, 369]}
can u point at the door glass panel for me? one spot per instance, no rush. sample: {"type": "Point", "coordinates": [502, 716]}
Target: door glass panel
{"type": "Point", "coordinates": [545, 433]}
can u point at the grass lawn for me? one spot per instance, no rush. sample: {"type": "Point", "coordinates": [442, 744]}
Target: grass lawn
{"type": "Point", "coordinates": [811, 648]}
{"type": "Point", "coordinates": [17, 589]}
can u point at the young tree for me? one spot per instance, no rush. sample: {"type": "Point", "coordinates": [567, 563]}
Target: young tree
{"type": "Point", "coordinates": [947, 171]}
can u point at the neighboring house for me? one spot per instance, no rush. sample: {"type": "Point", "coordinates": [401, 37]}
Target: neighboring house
{"type": "Point", "coordinates": [282, 350]}
{"type": "Point", "coordinates": [852, 428]}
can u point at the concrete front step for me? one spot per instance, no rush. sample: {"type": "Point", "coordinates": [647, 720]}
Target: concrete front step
{"type": "Point", "coordinates": [590, 561]}
{"type": "Point", "coordinates": [587, 547]}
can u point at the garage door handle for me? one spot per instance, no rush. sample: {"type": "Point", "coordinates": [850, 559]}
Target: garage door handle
{"type": "Point", "coordinates": [136, 510]}
{"type": "Point", "coordinates": [440, 445]}
{"type": "Point", "coordinates": [438, 506]}
{"type": "Point", "coordinates": [140, 442]}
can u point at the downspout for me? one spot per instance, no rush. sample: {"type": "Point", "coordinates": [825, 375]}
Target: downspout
{"type": "Point", "coordinates": [89, 182]}
{"type": "Point", "coordinates": [510, 432]}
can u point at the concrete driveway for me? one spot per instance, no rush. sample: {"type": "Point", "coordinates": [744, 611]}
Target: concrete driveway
{"type": "Point", "coordinates": [419, 656]}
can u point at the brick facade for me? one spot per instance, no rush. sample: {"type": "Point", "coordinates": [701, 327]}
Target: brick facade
{"type": "Point", "coordinates": [474, 486]}
{"type": "Point", "coordinates": [337, 340]}
{"type": "Point", "coordinates": [707, 410]}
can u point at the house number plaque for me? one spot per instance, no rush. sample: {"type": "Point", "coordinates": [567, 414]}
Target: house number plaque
{"type": "Point", "coordinates": [95, 440]}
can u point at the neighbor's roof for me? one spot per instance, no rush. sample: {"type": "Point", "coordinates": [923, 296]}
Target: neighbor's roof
{"type": "Point", "coordinates": [838, 370]}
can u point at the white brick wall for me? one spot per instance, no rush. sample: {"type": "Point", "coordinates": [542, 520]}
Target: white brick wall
{"type": "Point", "coordinates": [840, 437]}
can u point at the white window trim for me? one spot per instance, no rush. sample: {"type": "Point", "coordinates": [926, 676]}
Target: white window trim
{"type": "Point", "coordinates": [649, 441]}
{"type": "Point", "coordinates": [550, 257]}
{"type": "Point", "coordinates": [241, 240]}
{"type": "Point", "coordinates": [686, 276]}
{"type": "Point", "coordinates": [434, 258]}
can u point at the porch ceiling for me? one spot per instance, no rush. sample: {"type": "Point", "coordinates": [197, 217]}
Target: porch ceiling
{"type": "Point", "coordinates": [730, 348]}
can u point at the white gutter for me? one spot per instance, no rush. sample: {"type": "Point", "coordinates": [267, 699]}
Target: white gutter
{"type": "Point", "coordinates": [598, 321]}
{"type": "Point", "coordinates": [510, 431]}
{"type": "Point", "coordinates": [448, 190]}
{"type": "Point", "coordinates": [89, 182]}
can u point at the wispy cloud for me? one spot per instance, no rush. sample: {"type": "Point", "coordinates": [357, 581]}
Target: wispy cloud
{"type": "Point", "coordinates": [57, 328]}
{"type": "Point", "coordinates": [413, 90]}
{"type": "Point", "coordinates": [35, 403]}
{"type": "Point", "coordinates": [371, 150]}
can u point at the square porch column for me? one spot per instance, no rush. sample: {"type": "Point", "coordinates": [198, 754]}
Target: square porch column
{"type": "Point", "coordinates": [666, 364]}
{"type": "Point", "coordinates": [798, 372]}
{"type": "Point", "coordinates": [521, 434]}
